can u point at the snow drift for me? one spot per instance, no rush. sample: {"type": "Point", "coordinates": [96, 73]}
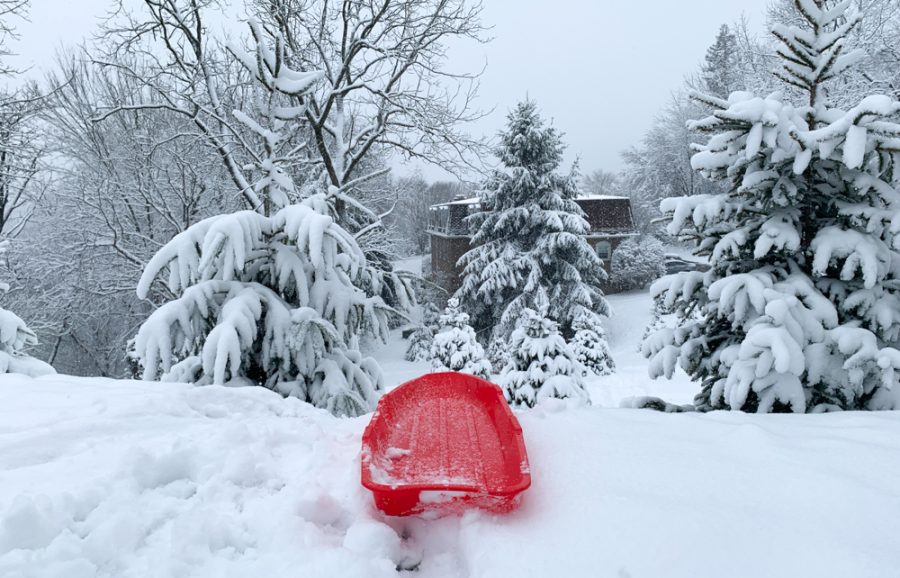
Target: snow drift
{"type": "Point", "coordinates": [129, 479]}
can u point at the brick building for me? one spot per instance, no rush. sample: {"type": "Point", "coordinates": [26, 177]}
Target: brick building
{"type": "Point", "coordinates": [609, 217]}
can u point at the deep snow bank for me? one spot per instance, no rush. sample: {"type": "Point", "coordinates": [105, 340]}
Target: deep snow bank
{"type": "Point", "coordinates": [127, 479]}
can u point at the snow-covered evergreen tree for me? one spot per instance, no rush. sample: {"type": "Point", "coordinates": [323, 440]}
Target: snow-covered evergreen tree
{"type": "Point", "coordinates": [541, 365]}
{"type": "Point", "coordinates": [637, 262]}
{"type": "Point", "coordinates": [420, 340]}
{"type": "Point", "coordinates": [498, 352]}
{"type": "Point", "coordinates": [455, 348]}
{"type": "Point", "coordinates": [590, 348]}
{"type": "Point", "coordinates": [278, 297]}
{"type": "Point", "coordinates": [15, 335]}
{"type": "Point", "coordinates": [801, 308]}
{"type": "Point", "coordinates": [721, 74]}
{"type": "Point", "coordinates": [530, 237]}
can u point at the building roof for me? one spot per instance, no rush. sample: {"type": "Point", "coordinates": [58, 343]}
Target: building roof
{"type": "Point", "coordinates": [476, 200]}
{"type": "Point", "coordinates": [601, 198]}
{"type": "Point", "coordinates": [607, 215]}
{"type": "Point", "coordinates": [469, 201]}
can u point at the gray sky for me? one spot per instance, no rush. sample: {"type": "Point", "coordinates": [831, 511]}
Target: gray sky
{"type": "Point", "coordinates": [601, 69]}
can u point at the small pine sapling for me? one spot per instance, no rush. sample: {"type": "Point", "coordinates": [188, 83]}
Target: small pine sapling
{"type": "Point", "coordinates": [419, 348]}
{"type": "Point", "coordinates": [541, 365]}
{"type": "Point", "coordinates": [590, 348]}
{"type": "Point", "coordinates": [455, 348]}
{"type": "Point", "coordinates": [498, 351]}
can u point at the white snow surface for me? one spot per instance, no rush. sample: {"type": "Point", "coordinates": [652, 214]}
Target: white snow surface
{"type": "Point", "coordinates": [131, 479]}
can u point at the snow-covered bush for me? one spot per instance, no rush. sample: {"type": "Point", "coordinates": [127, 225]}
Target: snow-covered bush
{"type": "Point", "coordinates": [637, 262]}
{"type": "Point", "coordinates": [590, 348]}
{"type": "Point", "coordinates": [455, 348]}
{"type": "Point", "coordinates": [419, 348]}
{"type": "Point", "coordinates": [15, 336]}
{"type": "Point", "coordinates": [530, 238]}
{"type": "Point", "coordinates": [801, 308]}
{"type": "Point", "coordinates": [541, 364]}
{"type": "Point", "coordinates": [278, 297]}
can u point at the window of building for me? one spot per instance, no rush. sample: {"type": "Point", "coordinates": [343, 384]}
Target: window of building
{"type": "Point", "coordinates": [604, 249]}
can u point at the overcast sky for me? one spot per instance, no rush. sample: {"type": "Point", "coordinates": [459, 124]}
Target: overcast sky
{"type": "Point", "coordinates": [601, 69]}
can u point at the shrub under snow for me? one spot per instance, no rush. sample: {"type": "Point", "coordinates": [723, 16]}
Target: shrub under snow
{"type": "Point", "coordinates": [637, 262]}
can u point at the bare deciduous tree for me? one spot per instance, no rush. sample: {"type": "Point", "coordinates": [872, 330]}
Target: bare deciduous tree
{"type": "Point", "coordinates": [20, 157]}
{"type": "Point", "coordinates": [182, 71]}
{"type": "Point", "coordinates": [9, 10]}
{"type": "Point", "coordinates": [387, 83]}
{"type": "Point", "coordinates": [121, 189]}
{"type": "Point", "coordinates": [600, 182]}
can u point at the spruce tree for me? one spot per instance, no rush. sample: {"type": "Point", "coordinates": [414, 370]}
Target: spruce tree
{"type": "Point", "coordinates": [455, 348]}
{"type": "Point", "coordinates": [498, 352]}
{"type": "Point", "coordinates": [590, 349]}
{"type": "Point", "coordinates": [720, 73]}
{"type": "Point", "coordinates": [801, 308]}
{"type": "Point", "coordinates": [530, 237]}
{"type": "Point", "coordinates": [419, 347]}
{"type": "Point", "coordinates": [541, 365]}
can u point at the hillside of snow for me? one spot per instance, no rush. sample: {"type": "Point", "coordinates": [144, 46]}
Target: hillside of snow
{"type": "Point", "coordinates": [129, 479]}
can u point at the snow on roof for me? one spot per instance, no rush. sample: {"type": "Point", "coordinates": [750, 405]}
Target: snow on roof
{"type": "Point", "coordinates": [469, 201]}
{"type": "Point", "coordinates": [476, 200]}
{"type": "Point", "coordinates": [600, 198]}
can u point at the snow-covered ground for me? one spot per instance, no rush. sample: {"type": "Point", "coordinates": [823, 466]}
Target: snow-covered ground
{"type": "Point", "coordinates": [625, 329]}
{"type": "Point", "coordinates": [129, 479]}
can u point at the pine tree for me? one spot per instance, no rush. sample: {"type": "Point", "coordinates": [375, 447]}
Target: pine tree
{"type": "Point", "coordinates": [720, 73]}
{"type": "Point", "coordinates": [278, 297]}
{"type": "Point", "coordinates": [541, 364]}
{"type": "Point", "coordinates": [801, 308]}
{"type": "Point", "coordinates": [419, 348]}
{"type": "Point", "coordinates": [590, 349]}
{"type": "Point", "coordinates": [15, 336]}
{"type": "Point", "coordinates": [455, 348]}
{"type": "Point", "coordinates": [531, 237]}
{"type": "Point", "coordinates": [498, 352]}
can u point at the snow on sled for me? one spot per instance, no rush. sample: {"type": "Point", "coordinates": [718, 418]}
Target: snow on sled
{"type": "Point", "coordinates": [444, 442]}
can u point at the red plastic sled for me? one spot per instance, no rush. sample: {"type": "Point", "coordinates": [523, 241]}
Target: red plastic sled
{"type": "Point", "coordinates": [444, 442]}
